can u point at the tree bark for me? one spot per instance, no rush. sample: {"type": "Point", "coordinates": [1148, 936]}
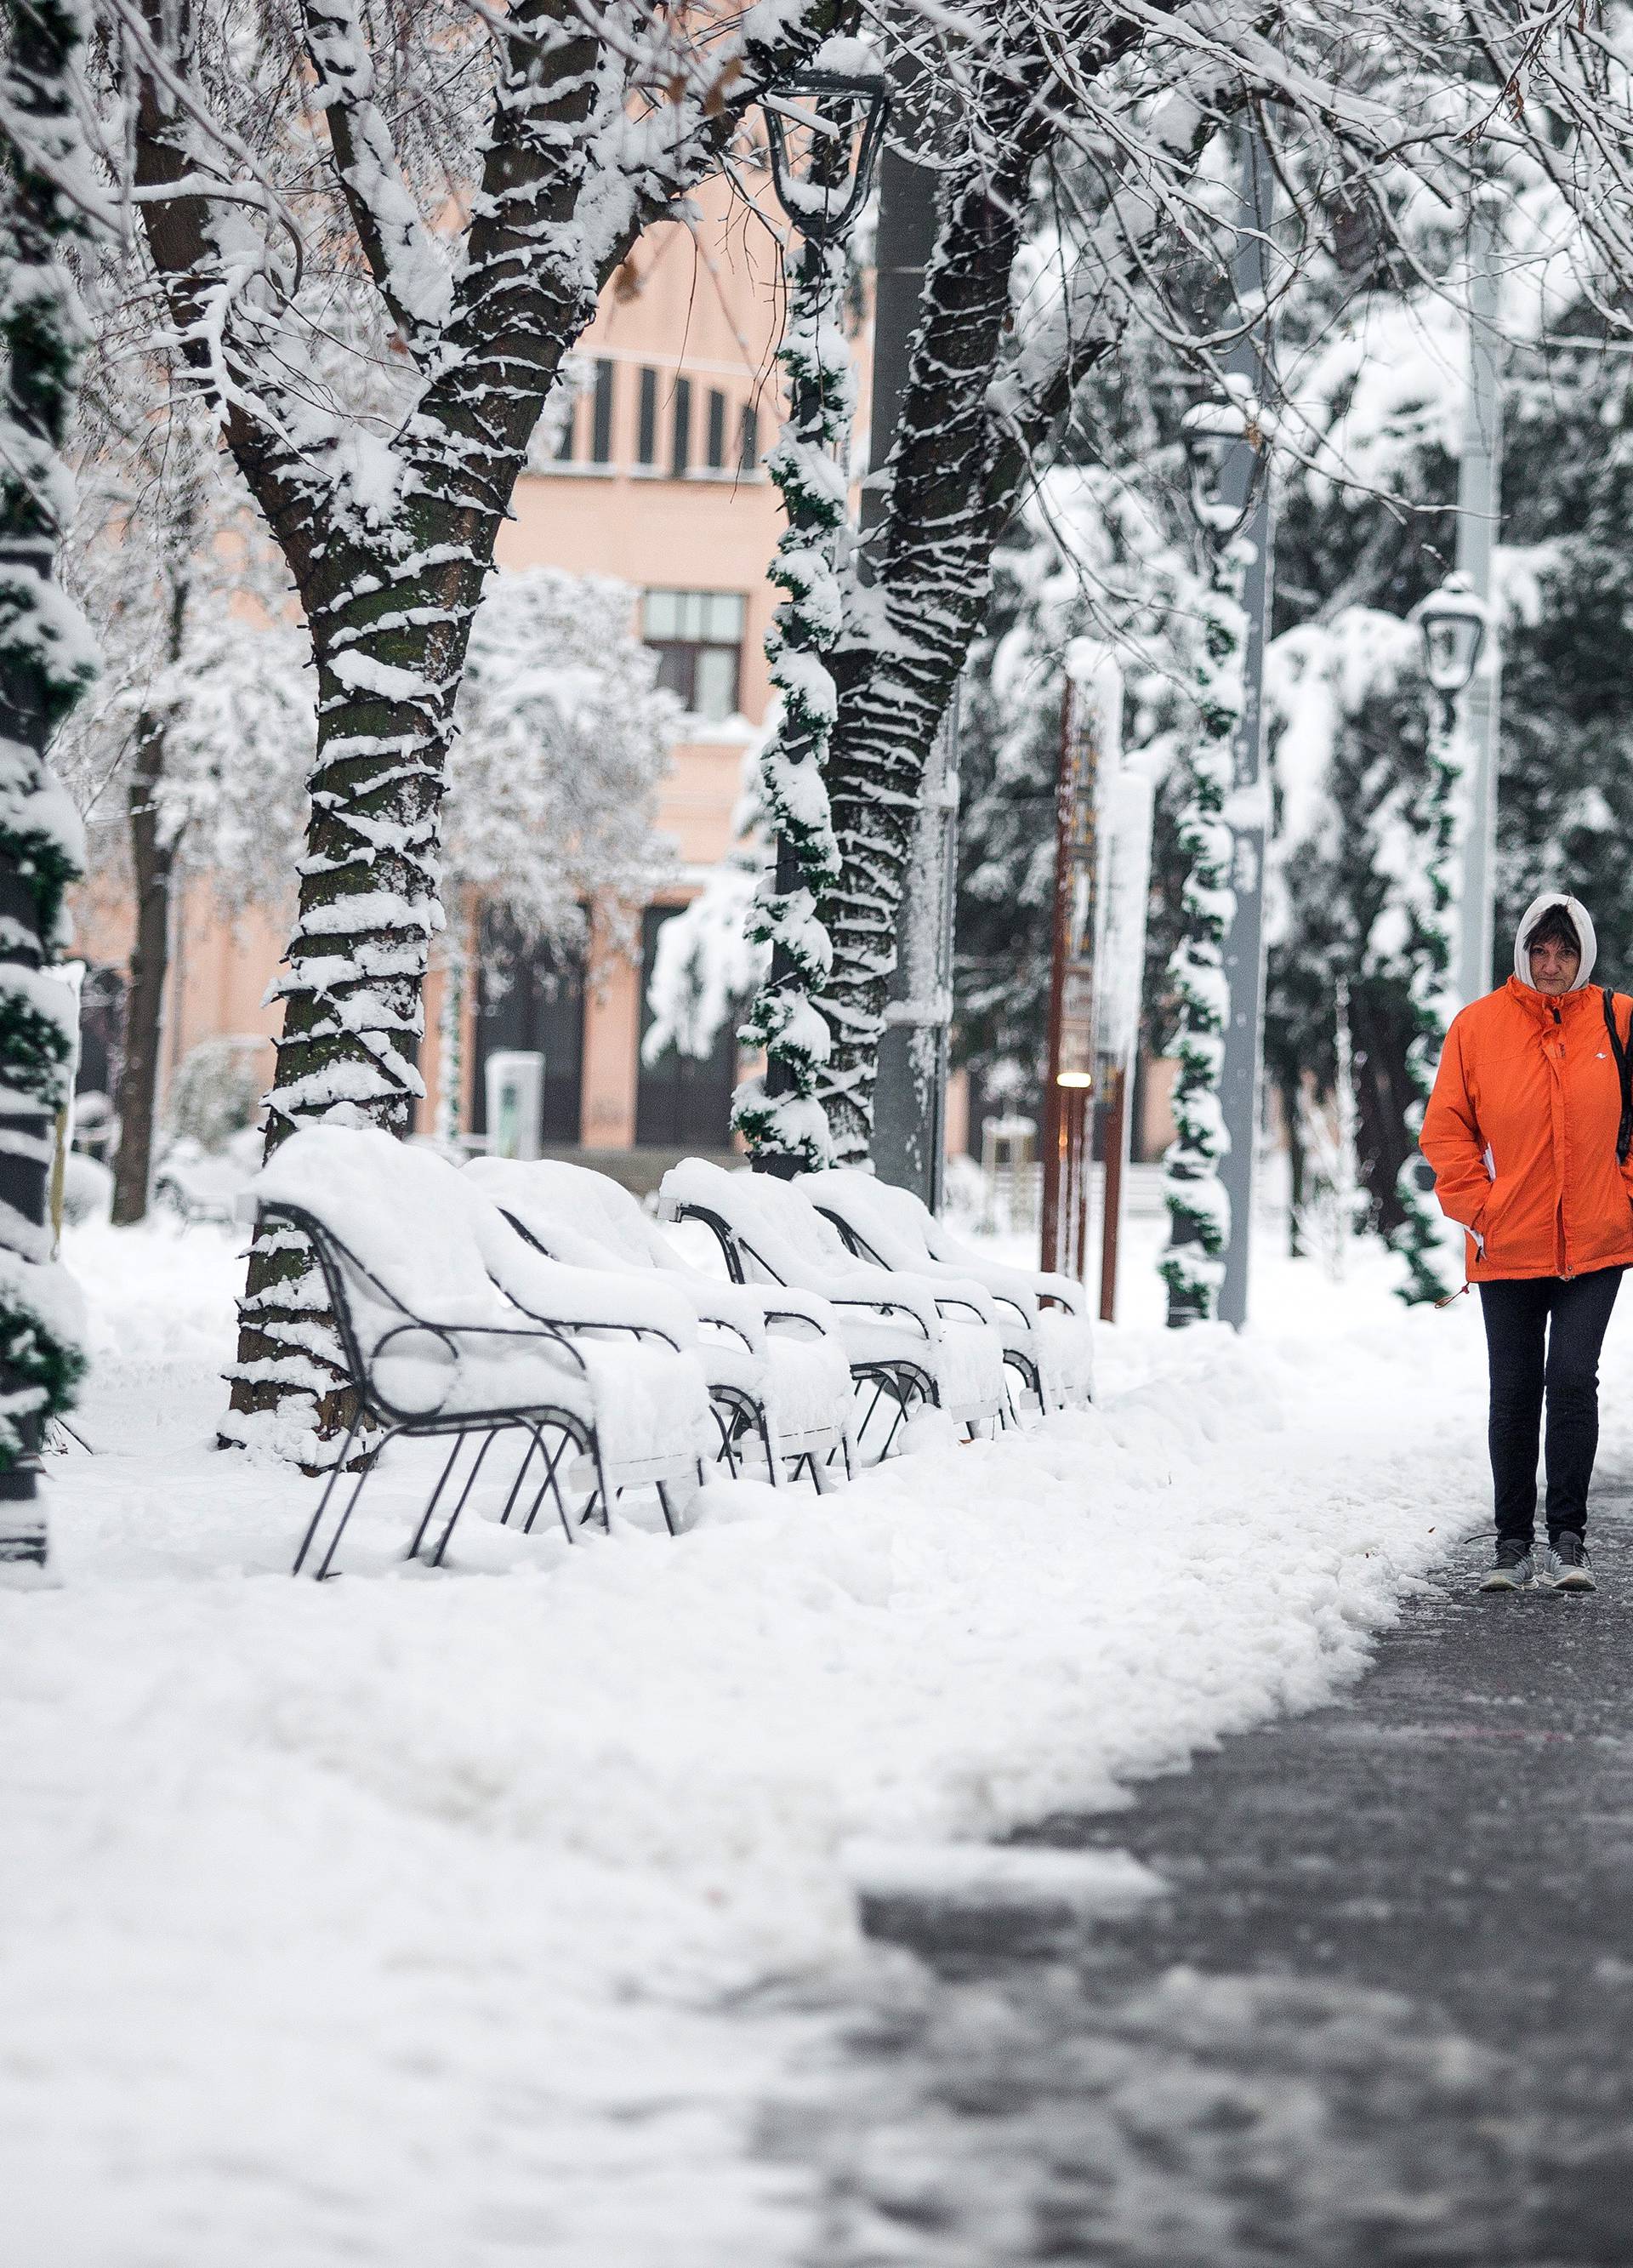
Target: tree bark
{"type": "Point", "coordinates": [958, 469]}
{"type": "Point", "coordinates": [937, 541]}
{"type": "Point", "coordinates": [1382, 1028]}
{"type": "Point", "coordinates": [153, 861]}
{"type": "Point", "coordinates": [352, 991]}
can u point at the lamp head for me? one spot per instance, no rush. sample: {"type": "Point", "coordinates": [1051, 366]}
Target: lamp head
{"type": "Point", "coordinates": [841, 98]}
{"type": "Point", "coordinates": [1452, 623]}
{"type": "Point", "coordinates": [1213, 431]}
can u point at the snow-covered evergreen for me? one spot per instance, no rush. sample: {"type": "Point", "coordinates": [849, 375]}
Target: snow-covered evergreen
{"type": "Point", "coordinates": [777, 1112]}
{"type": "Point", "coordinates": [1199, 1210]}
{"type": "Point", "coordinates": [48, 198]}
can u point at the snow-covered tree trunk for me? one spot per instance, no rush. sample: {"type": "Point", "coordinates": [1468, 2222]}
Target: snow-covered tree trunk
{"type": "Point", "coordinates": [1199, 1211]}
{"type": "Point", "coordinates": [388, 536]}
{"type": "Point", "coordinates": [970, 433]}
{"type": "Point", "coordinates": [778, 1116]}
{"type": "Point", "coordinates": [366, 911]}
{"type": "Point", "coordinates": [931, 573]}
{"type": "Point", "coordinates": [152, 866]}
{"type": "Point", "coordinates": [46, 661]}
{"type": "Point", "coordinates": [1422, 1239]}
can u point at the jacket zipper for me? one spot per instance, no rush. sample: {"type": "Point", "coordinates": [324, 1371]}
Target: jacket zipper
{"type": "Point", "coordinates": [1566, 1270]}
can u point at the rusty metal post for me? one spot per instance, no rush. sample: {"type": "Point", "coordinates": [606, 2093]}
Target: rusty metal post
{"type": "Point", "coordinates": [1070, 1075]}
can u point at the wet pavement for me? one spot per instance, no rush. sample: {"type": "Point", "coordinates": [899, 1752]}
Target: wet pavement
{"type": "Point", "coordinates": [1384, 2015]}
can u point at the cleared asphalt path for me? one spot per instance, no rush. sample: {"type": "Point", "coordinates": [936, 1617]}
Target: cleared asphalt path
{"type": "Point", "coordinates": [1385, 2015]}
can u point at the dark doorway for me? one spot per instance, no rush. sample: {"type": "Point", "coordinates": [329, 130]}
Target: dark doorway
{"type": "Point", "coordinates": [101, 1031]}
{"type": "Point", "coordinates": [682, 1102]}
{"type": "Point", "coordinates": [531, 996]}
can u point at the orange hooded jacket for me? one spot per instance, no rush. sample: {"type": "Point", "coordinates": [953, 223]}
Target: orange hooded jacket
{"type": "Point", "coordinates": [1521, 1130]}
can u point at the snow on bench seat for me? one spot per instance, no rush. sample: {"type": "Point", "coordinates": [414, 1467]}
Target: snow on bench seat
{"type": "Point", "coordinates": [451, 1323]}
{"type": "Point", "coordinates": [778, 1236]}
{"type": "Point", "coordinates": [1053, 1340]}
{"type": "Point", "coordinates": [786, 1352]}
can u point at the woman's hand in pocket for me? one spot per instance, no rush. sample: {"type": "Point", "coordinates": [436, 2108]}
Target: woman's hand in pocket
{"type": "Point", "coordinates": [1479, 1228]}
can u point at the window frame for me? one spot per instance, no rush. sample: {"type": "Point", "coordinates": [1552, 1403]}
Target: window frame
{"type": "Point", "coordinates": [689, 625]}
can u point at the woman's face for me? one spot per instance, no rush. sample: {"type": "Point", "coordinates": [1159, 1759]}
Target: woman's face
{"type": "Point", "coordinates": [1553, 966]}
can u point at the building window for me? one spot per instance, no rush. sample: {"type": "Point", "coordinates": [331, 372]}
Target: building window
{"type": "Point", "coordinates": [646, 433]}
{"type": "Point", "coordinates": [698, 638]}
{"type": "Point", "coordinates": [749, 439]}
{"type": "Point", "coordinates": [717, 432]}
{"type": "Point", "coordinates": [680, 458]}
{"type": "Point", "coordinates": [601, 416]}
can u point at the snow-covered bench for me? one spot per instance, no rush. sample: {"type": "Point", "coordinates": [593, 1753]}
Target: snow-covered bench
{"type": "Point", "coordinates": [1044, 1319]}
{"type": "Point", "coordinates": [452, 1324]}
{"type": "Point", "coordinates": [911, 1343]}
{"type": "Point", "coordinates": [775, 1363]}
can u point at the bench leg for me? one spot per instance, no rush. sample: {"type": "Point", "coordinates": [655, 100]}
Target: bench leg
{"type": "Point", "coordinates": [729, 1426]}
{"type": "Point", "coordinates": [867, 1417]}
{"type": "Point", "coordinates": [323, 1503]}
{"type": "Point", "coordinates": [413, 1550]}
{"type": "Point", "coordinates": [551, 1486]}
{"type": "Point", "coordinates": [465, 1493]}
{"type": "Point", "coordinates": [603, 1494]}
{"type": "Point", "coordinates": [663, 1498]}
{"type": "Point", "coordinates": [534, 1444]}
{"type": "Point", "coordinates": [903, 1398]}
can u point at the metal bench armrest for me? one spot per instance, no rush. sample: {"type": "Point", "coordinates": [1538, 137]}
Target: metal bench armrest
{"type": "Point", "coordinates": [885, 1306]}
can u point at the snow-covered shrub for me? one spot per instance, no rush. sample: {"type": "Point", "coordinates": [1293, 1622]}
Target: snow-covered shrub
{"type": "Point", "coordinates": [87, 1188]}
{"type": "Point", "coordinates": [216, 1091]}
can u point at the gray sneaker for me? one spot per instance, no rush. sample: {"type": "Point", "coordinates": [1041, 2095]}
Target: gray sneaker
{"type": "Point", "coordinates": [1512, 1570]}
{"type": "Point", "coordinates": [1565, 1564]}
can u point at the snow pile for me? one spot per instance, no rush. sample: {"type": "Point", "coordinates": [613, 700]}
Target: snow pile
{"type": "Point", "coordinates": [391, 1921]}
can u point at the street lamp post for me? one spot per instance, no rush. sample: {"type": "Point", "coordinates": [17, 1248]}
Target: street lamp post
{"type": "Point", "coordinates": [1479, 526]}
{"type": "Point", "coordinates": [1225, 443]}
{"type": "Point", "coordinates": [1453, 622]}
{"type": "Point", "coordinates": [823, 130]}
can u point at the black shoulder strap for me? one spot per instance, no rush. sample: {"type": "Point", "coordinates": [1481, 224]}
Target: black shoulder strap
{"type": "Point", "coordinates": [1624, 1072]}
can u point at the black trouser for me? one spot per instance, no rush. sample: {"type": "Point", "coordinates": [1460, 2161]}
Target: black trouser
{"type": "Point", "coordinates": [1573, 1312]}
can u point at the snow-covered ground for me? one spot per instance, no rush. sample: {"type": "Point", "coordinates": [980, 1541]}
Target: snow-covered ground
{"type": "Point", "coordinates": [416, 1916]}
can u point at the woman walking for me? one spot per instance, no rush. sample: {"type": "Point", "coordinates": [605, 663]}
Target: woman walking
{"type": "Point", "coordinates": [1522, 1131]}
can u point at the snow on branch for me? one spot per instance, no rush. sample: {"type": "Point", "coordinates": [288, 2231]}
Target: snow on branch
{"type": "Point", "coordinates": [403, 256]}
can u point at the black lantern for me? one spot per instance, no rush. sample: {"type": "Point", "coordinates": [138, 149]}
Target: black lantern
{"type": "Point", "coordinates": [1452, 623]}
{"type": "Point", "coordinates": [824, 199]}
{"type": "Point", "coordinates": [1213, 432]}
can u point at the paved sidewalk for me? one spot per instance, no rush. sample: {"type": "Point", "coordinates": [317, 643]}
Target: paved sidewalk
{"type": "Point", "coordinates": [1386, 2018]}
